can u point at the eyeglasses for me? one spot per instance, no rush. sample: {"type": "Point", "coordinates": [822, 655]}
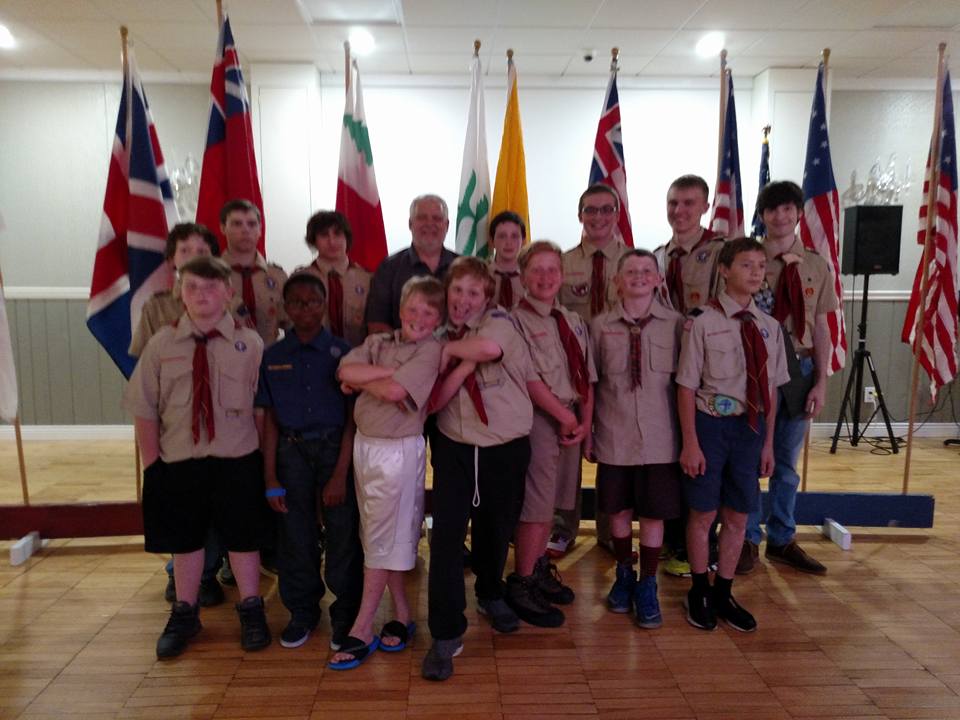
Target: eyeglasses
{"type": "Point", "coordinates": [602, 210]}
{"type": "Point", "coordinates": [304, 304]}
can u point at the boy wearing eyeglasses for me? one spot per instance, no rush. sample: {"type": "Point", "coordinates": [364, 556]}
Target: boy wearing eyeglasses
{"type": "Point", "coordinates": [588, 290]}
{"type": "Point", "coordinates": [307, 444]}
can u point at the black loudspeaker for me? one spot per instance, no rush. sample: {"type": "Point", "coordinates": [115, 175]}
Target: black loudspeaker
{"type": "Point", "coordinates": [871, 240]}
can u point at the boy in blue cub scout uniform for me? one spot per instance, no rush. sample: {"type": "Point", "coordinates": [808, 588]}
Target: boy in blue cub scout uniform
{"type": "Point", "coordinates": [307, 443]}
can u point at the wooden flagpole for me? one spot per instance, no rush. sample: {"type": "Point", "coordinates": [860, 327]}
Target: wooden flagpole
{"type": "Point", "coordinates": [24, 491]}
{"type": "Point", "coordinates": [219, 13]}
{"type": "Point", "coordinates": [476, 47]}
{"type": "Point", "coordinates": [614, 58]}
{"type": "Point", "coordinates": [932, 190]}
{"type": "Point", "coordinates": [347, 75]}
{"type": "Point", "coordinates": [723, 114]}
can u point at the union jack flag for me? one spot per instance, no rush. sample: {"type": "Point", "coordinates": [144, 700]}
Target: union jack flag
{"type": "Point", "coordinates": [229, 165]}
{"type": "Point", "coordinates": [820, 222]}
{"type": "Point", "coordinates": [727, 217]}
{"type": "Point", "coordinates": [608, 167]}
{"type": "Point", "coordinates": [937, 354]}
{"type": "Point", "coordinates": [138, 210]}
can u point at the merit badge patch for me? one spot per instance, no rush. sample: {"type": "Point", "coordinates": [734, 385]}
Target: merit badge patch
{"type": "Point", "coordinates": [240, 345]}
{"type": "Point", "coordinates": [722, 406]}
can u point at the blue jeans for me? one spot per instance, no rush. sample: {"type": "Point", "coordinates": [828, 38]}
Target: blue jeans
{"type": "Point", "coordinates": [303, 468]}
{"type": "Point", "coordinates": [788, 435]}
{"type": "Point", "coordinates": [212, 555]}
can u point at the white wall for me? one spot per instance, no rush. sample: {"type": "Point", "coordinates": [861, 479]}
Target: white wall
{"type": "Point", "coordinates": [55, 138]}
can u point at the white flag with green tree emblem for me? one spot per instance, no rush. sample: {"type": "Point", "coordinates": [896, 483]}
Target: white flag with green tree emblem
{"type": "Point", "coordinates": [473, 207]}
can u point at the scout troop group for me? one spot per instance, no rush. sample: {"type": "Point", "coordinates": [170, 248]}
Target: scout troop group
{"type": "Point", "coordinates": [265, 411]}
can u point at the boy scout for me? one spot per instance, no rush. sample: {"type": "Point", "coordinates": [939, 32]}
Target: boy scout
{"type": "Point", "coordinates": [588, 290]}
{"type": "Point", "coordinates": [508, 232]}
{"type": "Point", "coordinates": [563, 412]}
{"type": "Point", "coordinates": [258, 284]}
{"type": "Point", "coordinates": [732, 360]}
{"type": "Point", "coordinates": [184, 242]}
{"type": "Point", "coordinates": [307, 443]}
{"type": "Point", "coordinates": [689, 260]}
{"type": "Point", "coordinates": [480, 453]}
{"type": "Point", "coordinates": [798, 292]}
{"type": "Point", "coordinates": [635, 434]}
{"type": "Point", "coordinates": [689, 265]}
{"type": "Point", "coordinates": [394, 374]}
{"type": "Point", "coordinates": [191, 395]}
{"type": "Point", "coordinates": [347, 284]}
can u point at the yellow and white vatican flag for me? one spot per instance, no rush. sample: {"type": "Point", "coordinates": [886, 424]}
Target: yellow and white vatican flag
{"type": "Point", "coordinates": [510, 186]}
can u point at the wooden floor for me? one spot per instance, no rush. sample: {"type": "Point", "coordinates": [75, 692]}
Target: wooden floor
{"type": "Point", "coordinates": [877, 637]}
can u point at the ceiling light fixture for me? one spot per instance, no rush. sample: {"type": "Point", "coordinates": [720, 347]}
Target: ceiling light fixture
{"type": "Point", "coordinates": [7, 41]}
{"type": "Point", "coordinates": [361, 41]}
{"type": "Point", "coordinates": [710, 44]}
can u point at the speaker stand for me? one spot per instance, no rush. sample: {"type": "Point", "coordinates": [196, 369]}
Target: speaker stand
{"type": "Point", "coordinates": [855, 386]}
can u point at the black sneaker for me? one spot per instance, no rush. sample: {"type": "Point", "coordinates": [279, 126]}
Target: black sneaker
{"type": "Point", "coordinates": [700, 612]}
{"type": "Point", "coordinates": [211, 593]}
{"type": "Point", "coordinates": [184, 623]}
{"type": "Point", "coordinates": [170, 591]}
{"type": "Point", "coordinates": [550, 582]}
{"type": "Point", "coordinates": [502, 618]}
{"type": "Point", "coordinates": [527, 601]}
{"type": "Point", "coordinates": [734, 615]}
{"type": "Point", "coordinates": [254, 631]}
{"type": "Point", "coordinates": [296, 633]}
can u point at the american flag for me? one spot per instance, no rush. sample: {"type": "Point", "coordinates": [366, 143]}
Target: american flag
{"type": "Point", "coordinates": [229, 166]}
{"type": "Point", "coordinates": [727, 217]}
{"type": "Point", "coordinates": [759, 229]}
{"type": "Point", "coordinates": [138, 210]}
{"type": "Point", "coordinates": [937, 354]}
{"type": "Point", "coordinates": [608, 166]}
{"type": "Point", "coordinates": [820, 222]}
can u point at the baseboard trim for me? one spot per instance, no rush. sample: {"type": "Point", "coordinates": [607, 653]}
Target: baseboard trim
{"type": "Point", "coordinates": [819, 431]}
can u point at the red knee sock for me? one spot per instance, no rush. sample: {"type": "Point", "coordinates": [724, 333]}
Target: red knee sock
{"type": "Point", "coordinates": [649, 558]}
{"type": "Point", "coordinates": [623, 549]}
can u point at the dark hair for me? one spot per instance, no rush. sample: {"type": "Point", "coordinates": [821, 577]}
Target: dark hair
{"type": "Point", "coordinates": [237, 205]}
{"type": "Point", "coordinates": [507, 216]}
{"type": "Point", "coordinates": [780, 192]}
{"type": "Point", "coordinates": [536, 248]}
{"type": "Point", "coordinates": [181, 231]}
{"type": "Point", "coordinates": [304, 278]}
{"type": "Point", "coordinates": [734, 247]}
{"type": "Point", "coordinates": [321, 222]}
{"type": "Point", "coordinates": [207, 267]}
{"type": "Point", "coordinates": [596, 189]}
{"type": "Point", "coordinates": [428, 286]}
{"type": "Point", "coordinates": [691, 181]}
{"type": "Point", "coordinates": [467, 266]}
{"type": "Point", "coordinates": [636, 252]}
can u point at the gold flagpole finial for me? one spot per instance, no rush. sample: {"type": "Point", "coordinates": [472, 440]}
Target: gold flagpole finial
{"type": "Point", "coordinates": [510, 54]}
{"type": "Point", "coordinates": [476, 47]}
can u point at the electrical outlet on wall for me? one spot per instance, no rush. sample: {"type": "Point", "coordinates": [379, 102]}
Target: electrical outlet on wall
{"type": "Point", "coordinates": [870, 395]}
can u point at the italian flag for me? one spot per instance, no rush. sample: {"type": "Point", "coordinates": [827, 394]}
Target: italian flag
{"type": "Point", "coordinates": [357, 195]}
{"type": "Point", "coordinates": [510, 188]}
{"type": "Point", "coordinates": [473, 208]}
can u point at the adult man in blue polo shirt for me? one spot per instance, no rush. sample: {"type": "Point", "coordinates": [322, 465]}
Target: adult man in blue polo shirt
{"type": "Point", "coordinates": [429, 221]}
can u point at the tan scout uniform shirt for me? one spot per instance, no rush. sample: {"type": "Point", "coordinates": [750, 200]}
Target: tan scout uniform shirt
{"type": "Point", "coordinates": [578, 272]}
{"type": "Point", "coordinates": [819, 294]}
{"type": "Point", "coordinates": [549, 359]}
{"type": "Point", "coordinates": [698, 269]}
{"type": "Point", "coordinates": [712, 361]}
{"type": "Point", "coordinates": [515, 283]}
{"type": "Point", "coordinates": [503, 386]}
{"type": "Point", "coordinates": [636, 426]}
{"type": "Point", "coordinates": [268, 290]}
{"type": "Point", "coordinates": [356, 289]}
{"type": "Point", "coordinates": [161, 389]}
{"type": "Point", "coordinates": [417, 365]}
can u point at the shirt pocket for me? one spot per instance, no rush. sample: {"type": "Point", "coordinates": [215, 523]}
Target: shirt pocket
{"type": "Point", "coordinates": [234, 392]}
{"type": "Point", "coordinates": [614, 355]}
{"type": "Point", "coordinates": [723, 357]}
{"type": "Point", "coordinates": [176, 384]}
{"type": "Point", "coordinates": [663, 356]}
{"type": "Point", "coordinates": [490, 374]}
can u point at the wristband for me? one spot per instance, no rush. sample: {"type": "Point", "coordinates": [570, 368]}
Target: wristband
{"type": "Point", "coordinates": [275, 492]}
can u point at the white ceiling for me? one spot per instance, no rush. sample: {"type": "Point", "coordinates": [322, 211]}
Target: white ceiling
{"type": "Point", "coordinates": [868, 38]}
